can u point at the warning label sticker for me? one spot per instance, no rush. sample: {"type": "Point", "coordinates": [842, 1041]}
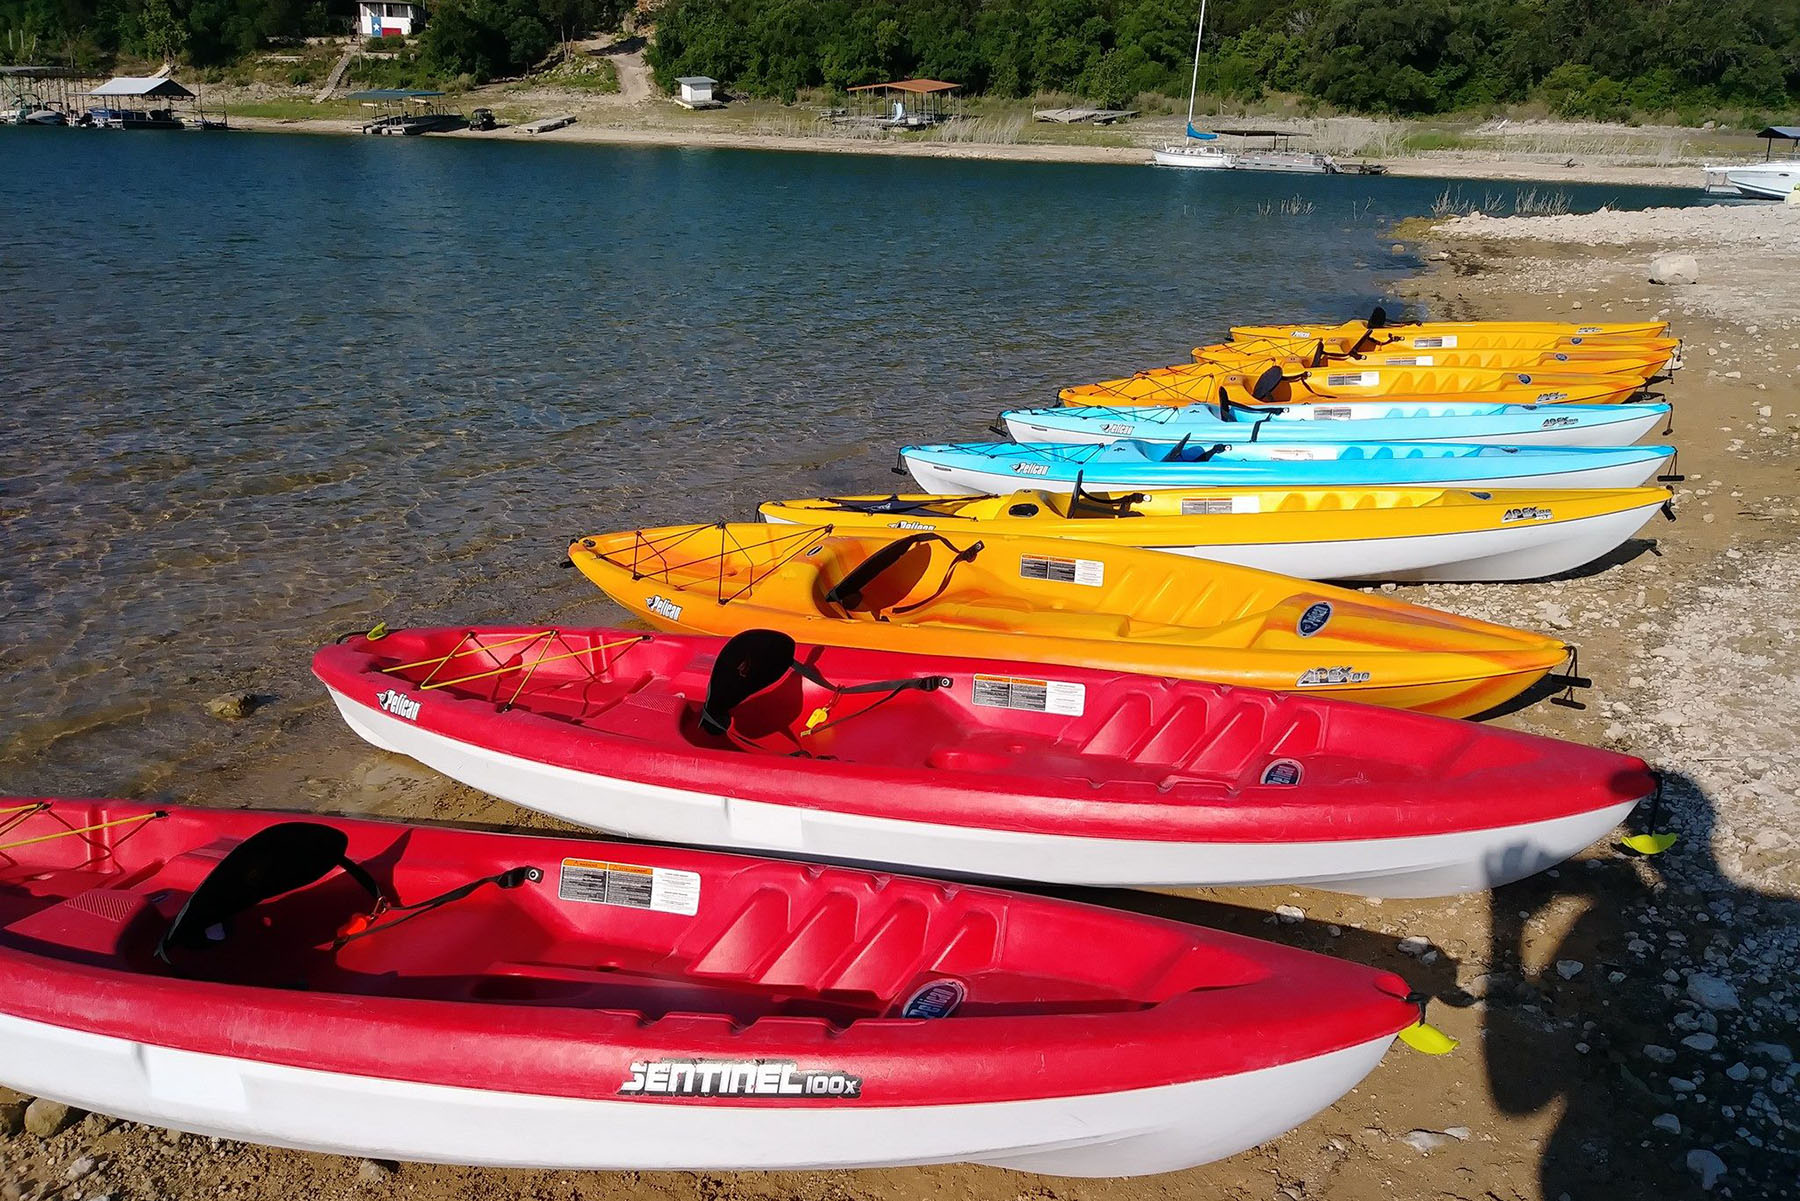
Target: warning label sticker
{"type": "Point", "coordinates": [1195, 506]}
{"type": "Point", "coordinates": [1033, 696]}
{"type": "Point", "coordinates": [1448, 342]}
{"type": "Point", "coordinates": [1091, 572]}
{"type": "Point", "coordinates": [1353, 379]}
{"type": "Point", "coordinates": [660, 889]}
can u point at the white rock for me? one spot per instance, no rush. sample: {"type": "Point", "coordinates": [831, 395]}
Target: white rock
{"type": "Point", "coordinates": [1711, 991]}
{"type": "Point", "coordinates": [1289, 914]}
{"type": "Point", "coordinates": [1707, 1166]}
{"type": "Point", "coordinates": [80, 1168]}
{"type": "Point", "coordinates": [1674, 269]}
{"type": "Point", "coordinates": [1426, 1141]}
{"type": "Point", "coordinates": [1700, 1041]}
{"type": "Point", "coordinates": [1667, 1122]}
{"type": "Point", "coordinates": [1414, 945]}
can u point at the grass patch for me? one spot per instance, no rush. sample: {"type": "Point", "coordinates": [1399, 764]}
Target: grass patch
{"type": "Point", "coordinates": [597, 75]}
{"type": "Point", "coordinates": [298, 110]}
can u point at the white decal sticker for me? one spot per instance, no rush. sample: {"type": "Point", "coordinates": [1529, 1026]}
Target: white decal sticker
{"type": "Point", "coordinates": [736, 1078]}
{"type": "Point", "coordinates": [1118, 427]}
{"type": "Point", "coordinates": [1353, 379]}
{"type": "Point", "coordinates": [1031, 469]}
{"type": "Point", "coordinates": [1091, 572]}
{"type": "Point", "coordinates": [399, 704]}
{"type": "Point", "coordinates": [664, 608]}
{"type": "Point", "coordinates": [1321, 677]}
{"type": "Point", "coordinates": [1526, 513]}
{"type": "Point", "coordinates": [1033, 696]}
{"type": "Point", "coordinates": [658, 889]}
{"type": "Point", "coordinates": [1197, 506]}
{"type": "Point", "coordinates": [911, 525]}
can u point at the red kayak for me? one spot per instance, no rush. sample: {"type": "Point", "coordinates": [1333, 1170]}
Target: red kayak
{"type": "Point", "coordinates": [976, 767]}
{"type": "Point", "coordinates": [428, 993]}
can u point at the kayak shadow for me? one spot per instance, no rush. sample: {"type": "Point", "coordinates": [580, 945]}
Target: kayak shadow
{"type": "Point", "coordinates": [1627, 551]}
{"type": "Point", "coordinates": [1588, 1008]}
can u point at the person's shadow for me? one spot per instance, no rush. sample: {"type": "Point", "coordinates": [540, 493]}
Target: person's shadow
{"type": "Point", "coordinates": [1605, 1038]}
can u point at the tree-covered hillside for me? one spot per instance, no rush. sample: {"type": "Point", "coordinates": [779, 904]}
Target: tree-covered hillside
{"type": "Point", "coordinates": [1599, 58]}
{"type": "Point", "coordinates": [1605, 59]}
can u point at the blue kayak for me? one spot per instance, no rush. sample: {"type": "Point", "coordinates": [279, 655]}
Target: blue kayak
{"type": "Point", "coordinates": [1364, 421]}
{"type": "Point", "coordinates": [1134, 465]}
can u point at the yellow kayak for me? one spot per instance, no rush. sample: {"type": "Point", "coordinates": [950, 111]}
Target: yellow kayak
{"type": "Point", "coordinates": [1583, 360]}
{"type": "Point", "coordinates": [1414, 534]}
{"type": "Point", "coordinates": [1046, 600]}
{"type": "Point", "coordinates": [1267, 382]}
{"type": "Point", "coordinates": [1357, 336]}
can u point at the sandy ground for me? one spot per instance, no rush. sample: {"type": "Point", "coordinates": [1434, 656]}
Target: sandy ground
{"type": "Point", "coordinates": [1628, 1026]}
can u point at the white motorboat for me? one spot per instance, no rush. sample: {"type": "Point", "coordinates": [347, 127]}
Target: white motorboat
{"type": "Point", "coordinates": [1771, 179]}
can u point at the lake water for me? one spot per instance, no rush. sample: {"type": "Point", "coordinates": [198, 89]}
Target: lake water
{"type": "Point", "coordinates": [256, 391]}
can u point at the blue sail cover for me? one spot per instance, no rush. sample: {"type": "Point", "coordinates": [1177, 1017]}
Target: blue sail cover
{"type": "Point", "coordinates": [1204, 137]}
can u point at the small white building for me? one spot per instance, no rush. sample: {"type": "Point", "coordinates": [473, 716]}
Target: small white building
{"type": "Point", "coordinates": [696, 91]}
{"type": "Point", "coordinates": [379, 19]}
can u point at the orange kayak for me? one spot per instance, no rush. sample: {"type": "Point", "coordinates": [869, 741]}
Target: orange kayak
{"type": "Point", "coordinates": [1046, 600]}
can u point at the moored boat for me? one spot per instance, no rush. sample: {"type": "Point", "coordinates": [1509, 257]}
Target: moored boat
{"type": "Point", "coordinates": [433, 994]}
{"type": "Point", "coordinates": [1410, 534]}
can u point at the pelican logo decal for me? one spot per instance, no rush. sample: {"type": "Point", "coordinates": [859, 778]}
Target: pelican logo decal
{"type": "Point", "coordinates": [1282, 771]}
{"type": "Point", "coordinates": [939, 999]}
{"type": "Point", "coordinates": [911, 525]}
{"type": "Point", "coordinates": [1314, 619]}
{"type": "Point", "coordinates": [1117, 427]}
{"type": "Point", "coordinates": [666, 609]}
{"type": "Point", "coordinates": [736, 1078]}
{"type": "Point", "coordinates": [1526, 513]}
{"type": "Point", "coordinates": [1031, 469]}
{"type": "Point", "coordinates": [1326, 677]}
{"type": "Point", "coordinates": [399, 704]}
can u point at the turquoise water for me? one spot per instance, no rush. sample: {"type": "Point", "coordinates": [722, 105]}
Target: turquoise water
{"type": "Point", "coordinates": [261, 390]}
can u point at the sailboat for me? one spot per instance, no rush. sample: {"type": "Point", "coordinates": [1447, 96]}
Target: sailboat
{"type": "Point", "coordinates": [1199, 150]}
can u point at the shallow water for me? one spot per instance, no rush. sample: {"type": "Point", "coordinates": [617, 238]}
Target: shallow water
{"type": "Point", "coordinates": [262, 390]}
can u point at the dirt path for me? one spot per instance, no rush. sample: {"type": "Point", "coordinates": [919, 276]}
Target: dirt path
{"type": "Point", "coordinates": [635, 86]}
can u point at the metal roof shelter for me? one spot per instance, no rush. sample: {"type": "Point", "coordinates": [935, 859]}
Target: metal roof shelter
{"type": "Point", "coordinates": [142, 87]}
{"type": "Point", "coordinates": [907, 103]}
{"type": "Point", "coordinates": [1790, 133]}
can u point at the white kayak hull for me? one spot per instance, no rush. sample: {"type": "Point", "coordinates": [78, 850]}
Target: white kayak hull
{"type": "Point", "coordinates": [1527, 431]}
{"type": "Point", "coordinates": [1418, 866]}
{"type": "Point", "coordinates": [1523, 552]}
{"type": "Point", "coordinates": [1125, 1133]}
{"type": "Point", "coordinates": [956, 480]}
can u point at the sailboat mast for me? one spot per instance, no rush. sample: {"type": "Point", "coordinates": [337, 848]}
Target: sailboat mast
{"type": "Point", "coordinates": [1194, 84]}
